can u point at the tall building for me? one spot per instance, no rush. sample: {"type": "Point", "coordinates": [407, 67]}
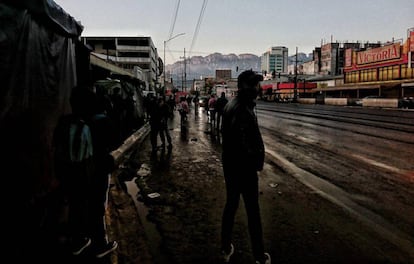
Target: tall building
{"type": "Point", "coordinates": [275, 59]}
{"type": "Point", "coordinates": [136, 54]}
{"type": "Point", "coordinates": [329, 58]}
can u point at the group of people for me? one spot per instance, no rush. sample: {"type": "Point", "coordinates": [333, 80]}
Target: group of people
{"type": "Point", "coordinates": [215, 110]}
{"type": "Point", "coordinates": [242, 157]}
{"type": "Point", "coordinates": [84, 163]}
{"type": "Point", "coordinates": [159, 111]}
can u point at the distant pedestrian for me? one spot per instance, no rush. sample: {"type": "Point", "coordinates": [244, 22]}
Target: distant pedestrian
{"type": "Point", "coordinates": [171, 104]}
{"type": "Point", "coordinates": [148, 100]}
{"type": "Point", "coordinates": [118, 112]}
{"type": "Point", "coordinates": [183, 109]}
{"type": "Point", "coordinates": [154, 121]}
{"type": "Point", "coordinates": [196, 104]}
{"type": "Point", "coordinates": [212, 109]}
{"type": "Point", "coordinates": [242, 157]}
{"type": "Point", "coordinates": [165, 114]}
{"type": "Point", "coordinates": [220, 104]}
{"type": "Point", "coordinates": [83, 142]}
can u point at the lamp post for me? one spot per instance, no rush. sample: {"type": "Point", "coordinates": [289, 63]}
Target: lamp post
{"type": "Point", "coordinates": [165, 42]}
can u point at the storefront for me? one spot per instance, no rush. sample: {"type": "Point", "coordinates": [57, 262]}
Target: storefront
{"type": "Point", "coordinates": [389, 67]}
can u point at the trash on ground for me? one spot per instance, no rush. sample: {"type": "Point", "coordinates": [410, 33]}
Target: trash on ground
{"type": "Point", "coordinates": [153, 195]}
{"type": "Point", "coordinates": [273, 185]}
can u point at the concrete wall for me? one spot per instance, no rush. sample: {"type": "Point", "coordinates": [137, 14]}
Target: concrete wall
{"type": "Point", "coordinates": [336, 101]}
{"type": "Point", "coordinates": [367, 102]}
{"type": "Point", "coordinates": [380, 102]}
{"type": "Point", "coordinates": [307, 100]}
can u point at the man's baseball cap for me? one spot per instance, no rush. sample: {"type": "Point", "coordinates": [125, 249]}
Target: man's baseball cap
{"type": "Point", "coordinates": [249, 78]}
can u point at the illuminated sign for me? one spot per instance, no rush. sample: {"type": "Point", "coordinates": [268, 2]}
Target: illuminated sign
{"type": "Point", "coordinates": [348, 57]}
{"type": "Point", "coordinates": [380, 54]}
{"type": "Point", "coordinates": [411, 41]}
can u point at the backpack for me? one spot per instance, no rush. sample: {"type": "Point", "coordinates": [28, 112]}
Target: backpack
{"type": "Point", "coordinates": [73, 141]}
{"type": "Point", "coordinates": [80, 141]}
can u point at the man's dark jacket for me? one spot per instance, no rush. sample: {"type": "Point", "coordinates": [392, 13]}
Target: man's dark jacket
{"type": "Point", "coordinates": [243, 148]}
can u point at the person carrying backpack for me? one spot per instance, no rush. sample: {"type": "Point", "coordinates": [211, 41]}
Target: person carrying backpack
{"type": "Point", "coordinates": [83, 141]}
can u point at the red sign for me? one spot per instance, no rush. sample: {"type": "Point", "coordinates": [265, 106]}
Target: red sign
{"type": "Point", "coordinates": [380, 54]}
{"type": "Point", "coordinates": [348, 57]}
{"type": "Point", "coordinates": [412, 41]}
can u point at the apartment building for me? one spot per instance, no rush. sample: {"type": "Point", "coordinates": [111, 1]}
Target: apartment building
{"type": "Point", "coordinates": [275, 59]}
{"type": "Point", "coordinates": [135, 54]}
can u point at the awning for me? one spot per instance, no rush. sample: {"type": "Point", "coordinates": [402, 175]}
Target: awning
{"type": "Point", "coordinates": [108, 66]}
{"type": "Point", "coordinates": [342, 88]}
{"type": "Point", "coordinates": [407, 84]}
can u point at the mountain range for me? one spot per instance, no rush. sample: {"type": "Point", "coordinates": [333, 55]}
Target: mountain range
{"type": "Point", "coordinates": [199, 67]}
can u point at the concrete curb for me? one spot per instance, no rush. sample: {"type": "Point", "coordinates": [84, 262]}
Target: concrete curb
{"type": "Point", "coordinates": [123, 221]}
{"type": "Point", "coordinates": [136, 138]}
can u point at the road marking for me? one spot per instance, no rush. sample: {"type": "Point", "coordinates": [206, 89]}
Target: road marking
{"type": "Point", "coordinates": [378, 164]}
{"type": "Point", "coordinates": [341, 198]}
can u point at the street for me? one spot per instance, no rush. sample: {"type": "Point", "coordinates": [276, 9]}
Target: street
{"type": "Point", "coordinates": [334, 189]}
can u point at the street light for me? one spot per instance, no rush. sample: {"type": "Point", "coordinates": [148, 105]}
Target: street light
{"type": "Point", "coordinates": [165, 41]}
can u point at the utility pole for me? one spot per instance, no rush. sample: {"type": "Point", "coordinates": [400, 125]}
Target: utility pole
{"type": "Point", "coordinates": [185, 73]}
{"type": "Point", "coordinates": [295, 95]}
{"type": "Point", "coordinates": [165, 41]}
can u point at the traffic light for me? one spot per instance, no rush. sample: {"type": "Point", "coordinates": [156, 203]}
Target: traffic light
{"type": "Point", "coordinates": [273, 74]}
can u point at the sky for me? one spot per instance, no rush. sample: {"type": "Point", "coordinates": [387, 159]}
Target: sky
{"type": "Point", "coordinates": [243, 26]}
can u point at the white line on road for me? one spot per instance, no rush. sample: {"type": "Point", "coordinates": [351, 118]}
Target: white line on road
{"type": "Point", "coordinates": [378, 164]}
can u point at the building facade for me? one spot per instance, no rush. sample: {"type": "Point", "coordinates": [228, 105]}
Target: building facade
{"type": "Point", "coordinates": [389, 67]}
{"type": "Point", "coordinates": [275, 59]}
{"type": "Point", "coordinates": [223, 74]}
{"type": "Point", "coordinates": [135, 54]}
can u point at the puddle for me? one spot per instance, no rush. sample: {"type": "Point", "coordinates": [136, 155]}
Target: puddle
{"type": "Point", "coordinates": [153, 236]}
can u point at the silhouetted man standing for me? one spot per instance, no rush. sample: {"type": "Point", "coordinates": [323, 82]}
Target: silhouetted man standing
{"type": "Point", "coordinates": [242, 157]}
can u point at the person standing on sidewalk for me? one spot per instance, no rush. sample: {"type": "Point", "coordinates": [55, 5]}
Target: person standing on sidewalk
{"type": "Point", "coordinates": [165, 114]}
{"type": "Point", "coordinates": [155, 122]}
{"type": "Point", "coordinates": [242, 157]}
{"type": "Point", "coordinates": [220, 104]}
{"type": "Point", "coordinates": [212, 110]}
{"type": "Point", "coordinates": [83, 142]}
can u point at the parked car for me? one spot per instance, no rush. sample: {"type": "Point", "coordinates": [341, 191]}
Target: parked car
{"type": "Point", "coordinates": [358, 101]}
{"type": "Point", "coordinates": [407, 102]}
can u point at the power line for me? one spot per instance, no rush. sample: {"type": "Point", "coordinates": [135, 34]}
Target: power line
{"type": "Point", "coordinates": [177, 6]}
{"type": "Point", "coordinates": [197, 29]}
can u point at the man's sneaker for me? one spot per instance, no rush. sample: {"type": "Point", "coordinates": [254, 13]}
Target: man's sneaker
{"type": "Point", "coordinates": [268, 260]}
{"type": "Point", "coordinates": [105, 250]}
{"type": "Point", "coordinates": [79, 246]}
{"type": "Point", "coordinates": [227, 255]}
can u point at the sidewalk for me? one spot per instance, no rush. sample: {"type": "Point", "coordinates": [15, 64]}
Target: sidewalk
{"type": "Point", "coordinates": [123, 221]}
{"type": "Point", "coordinates": [191, 146]}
